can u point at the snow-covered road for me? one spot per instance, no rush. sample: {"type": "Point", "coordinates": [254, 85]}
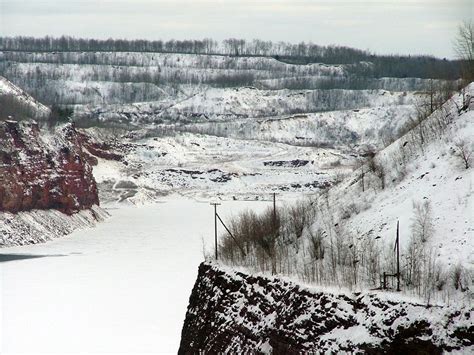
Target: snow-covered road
{"type": "Point", "coordinates": [120, 287]}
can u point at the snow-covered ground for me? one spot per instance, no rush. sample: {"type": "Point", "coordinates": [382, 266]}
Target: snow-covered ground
{"type": "Point", "coordinates": [201, 165]}
{"type": "Point", "coordinates": [124, 285]}
{"type": "Point", "coordinates": [120, 287]}
{"type": "Point", "coordinates": [344, 129]}
{"type": "Point", "coordinates": [436, 175]}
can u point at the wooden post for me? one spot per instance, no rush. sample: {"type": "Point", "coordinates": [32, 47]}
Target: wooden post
{"type": "Point", "coordinates": [215, 204]}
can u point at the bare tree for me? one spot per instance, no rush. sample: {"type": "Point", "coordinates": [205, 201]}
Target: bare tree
{"type": "Point", "coordinates": [464, 152]}
{"type": "Point", "coordinates": [464, 47]}
{"type": "Point", "coordinates": [316, 244]}
{"type": "Point", "coordinates": [365, 163]}
{"type": "Point", "coordinates": [380, 171]}
{"type": "Point", "coordinates": [360, 166]}
{"type": "Point", "coordinates": [422, 223]}
{"type": "Point", "coordinates": [298, 218]}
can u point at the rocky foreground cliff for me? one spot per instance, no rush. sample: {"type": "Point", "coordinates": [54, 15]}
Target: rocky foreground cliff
{"type": "Point", "coordinates": [231, 312]}
{"type": "Point", "coordinates": [45, 180]}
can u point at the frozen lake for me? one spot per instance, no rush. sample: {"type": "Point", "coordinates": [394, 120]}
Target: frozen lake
{"type": "Point", "coordinates": [120, 287]}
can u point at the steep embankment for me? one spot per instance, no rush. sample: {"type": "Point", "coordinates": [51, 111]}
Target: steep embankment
{"type": "Point", "coordinates": [47, 178]}
{"type": "Point", "coordinates": [237, 313]}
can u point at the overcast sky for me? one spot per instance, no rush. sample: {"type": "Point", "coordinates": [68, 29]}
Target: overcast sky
{"type": "Point", "coordinates": [382, 26]}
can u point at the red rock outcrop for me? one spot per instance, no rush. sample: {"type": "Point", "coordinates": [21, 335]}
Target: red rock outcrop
{"type": "Point", "coordinates": [44, 170]}
{"type": "Point", "coordinates": [97, 149]}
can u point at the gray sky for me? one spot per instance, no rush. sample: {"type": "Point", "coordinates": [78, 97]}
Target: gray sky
{"type": "Point", "coordinates": [383, 26]}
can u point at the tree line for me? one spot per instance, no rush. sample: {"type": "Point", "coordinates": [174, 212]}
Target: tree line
{"type": "Point", "coordinates": [420, 66]}
{"type": "Point", "coordinates": [231, 46]}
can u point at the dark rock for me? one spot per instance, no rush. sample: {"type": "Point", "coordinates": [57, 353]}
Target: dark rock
{"type": "Point", "coordinates": [288, 163]}
{"type": "Point", "coordinates": [230, 312]}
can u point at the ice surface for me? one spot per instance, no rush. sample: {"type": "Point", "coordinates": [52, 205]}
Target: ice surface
{"type": "Point", "coordinates": [120, 287]}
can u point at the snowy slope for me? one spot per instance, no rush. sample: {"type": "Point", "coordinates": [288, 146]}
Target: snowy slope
{"type": "Point", "coordinates": [340, 129]}
{"type": "Point", "coordinates": [8, 88]}
{"type": "Point", "coordinates": [202, 104]}
{"type": "Point", "coordinates": [252, 102]}
{"type": "Point", "coordinates": [348, 231]}
{"type": "Point", "coordinates": [38, 226]}
{"type": "Point", "coordinates": [436, 175]}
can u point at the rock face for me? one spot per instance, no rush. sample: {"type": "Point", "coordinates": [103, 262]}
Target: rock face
{"type": "Point", "coordinates": [44, 170]}
{"type": "Point", "coordinates": [97, 149]}
{"type": "Point", "coordinates": [230, 312]}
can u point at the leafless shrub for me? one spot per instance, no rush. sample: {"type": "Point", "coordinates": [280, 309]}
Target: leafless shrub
{"type": "Point", "coordinates": [422, 222]}
{"type": "Point", "coordinates": [441, 279]}
{"type": "Point", "coordinates": [339, 177]}
{"type": "Point", "coordinates": [255, 235]}
{"type": "Point", "coordinates": [459, 278]}
{"type": "Point", "coordinates": [464, 152]}
{"type": "Point", "coordinates": [316, 244]}
{"type": "Point", "coordinates": [298, 218]}
{"type": "Point", "coordinates": [348, 210]}
{"type": "Point", "coordinates": [360, 166]}
{"type": "Point", "coordinates": [12, 108]}
{"type": "Point", "coordinates": [370, 260]}
{"type": "Point", "coordinates": [381, 173]}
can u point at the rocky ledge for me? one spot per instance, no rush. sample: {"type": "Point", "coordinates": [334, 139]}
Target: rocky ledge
{"type": "Point", "coordinates": [231, 312]}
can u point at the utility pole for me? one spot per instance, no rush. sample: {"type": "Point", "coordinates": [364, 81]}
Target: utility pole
{"type": "Point", "coordinates": [274, 210]}
{"type": "Point", "coordinates": [215, 204]}
{"type": "Point", "coordinates": [275, 235]}
{"type": "Point", "coordinates": [397, 247]}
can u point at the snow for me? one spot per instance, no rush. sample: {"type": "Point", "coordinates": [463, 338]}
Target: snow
{"type": "Point", "coordinates": [437, 176]}
{"type": "Point", "coordinates": [37, 226]}
{"type": "Point", "coordinates": [195, 164]}
{"type": "Point", "coordinates": [434, 173]}
{"type": "Point", "coordinates": [357, 333]}
{"type": "Point", "coordinates": [342, 129]}
{"type": "Point", "coordinates": [146, 87]}
{"type": "Point", "coordinates": [120, 287]}
{"type": "Point", "coordinates": [7, 88]}
{"type": "Point", "coordinates": [124, 285]}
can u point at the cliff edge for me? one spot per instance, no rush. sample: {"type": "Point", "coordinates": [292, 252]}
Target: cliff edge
{"type": "Point", "coordinates": [233, 312]}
